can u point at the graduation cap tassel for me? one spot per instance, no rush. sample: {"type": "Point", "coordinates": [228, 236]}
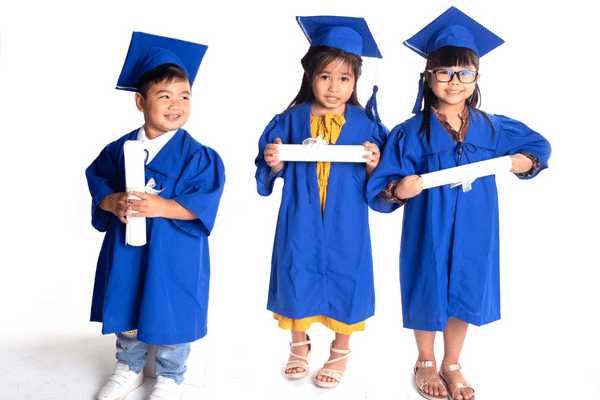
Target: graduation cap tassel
{"type": "Point", "coordinates": [371, 107]}
{"type": "Point", "coordinates": [419, 100]}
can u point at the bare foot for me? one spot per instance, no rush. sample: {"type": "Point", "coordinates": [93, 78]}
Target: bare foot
{"type": "Point", "coordinates": [430, 382]}
{"type": "Point", "coordinates": [457, 384]}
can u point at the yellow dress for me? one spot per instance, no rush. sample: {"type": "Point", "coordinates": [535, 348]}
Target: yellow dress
{"type": "Point", "coordinates": [329, 127]}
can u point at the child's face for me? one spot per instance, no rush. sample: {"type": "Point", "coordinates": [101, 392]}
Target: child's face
{"type": "Point", "coordinates": [332, 88]}
{"type": "Point", "coordinates": [453, 93]}
{"type": "Point", "coordinates": [166, 107]}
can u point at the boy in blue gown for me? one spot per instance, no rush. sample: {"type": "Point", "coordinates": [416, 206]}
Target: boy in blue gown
{"type": "Point", "coordinates": [156, 293]}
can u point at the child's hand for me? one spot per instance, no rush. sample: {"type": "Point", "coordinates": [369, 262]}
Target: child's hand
{"type": "Point", "coordinates": [520, 163]}
{"type": "Point", "coordinates": [154, 206]}
{"type": "Point", "coordinates": [116, 203]}
{"type": "Point", "coordinates": [409, 187]}
{"type": "Point", "coordinates": [271, 156]}
{"type": "Point", "coordinates": [149, 205]}
{"type": "Point", "coordinates": [373, 158]}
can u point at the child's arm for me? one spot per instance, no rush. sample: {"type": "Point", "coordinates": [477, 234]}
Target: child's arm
{"type": "Point", "coordinates": [154, 206]}
{"type": "Point", "coordinates": [409, 187]}
{"type": "Point", "coordinates": [520, 164]}
{"type": "Point", "coordinates": [271, 156]}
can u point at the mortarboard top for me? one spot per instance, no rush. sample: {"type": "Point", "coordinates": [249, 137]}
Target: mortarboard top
{"type": "Point", "coordinates": [147, 52]}
{"type": "Point", "coordinates": [454, 28]}
{"type": "Point", "coordinates": [345, 33]}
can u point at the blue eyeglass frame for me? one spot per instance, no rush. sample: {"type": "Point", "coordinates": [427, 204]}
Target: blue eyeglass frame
{"type": "Point", "coordinates": [452, 73]}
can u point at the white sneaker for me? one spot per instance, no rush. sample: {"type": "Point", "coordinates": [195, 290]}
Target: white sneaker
{"type": "Point", "coordinates": [120, 383]}
{"type": "Point", "coordinates": [166, 389]}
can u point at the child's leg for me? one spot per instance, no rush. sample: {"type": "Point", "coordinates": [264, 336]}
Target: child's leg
{"type": "Point", "coordinates": [297, 337]}
{"type": "Point", "coordinates": [131, 354]}
{"type": "Point", "coordinates": [427, 377]}
{"type": "Point", "coordinates": [342, 342]}
{"type": "Point", "coordinates": [131, 351]}
{"type": "Point", "coordinates": [454, 338]}
{"type": "Point", "coordinates": [170, 361]}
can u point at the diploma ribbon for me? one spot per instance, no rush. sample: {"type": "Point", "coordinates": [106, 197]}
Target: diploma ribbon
{"type": "Point", "coordinates": [463, 148]}
{"type": "Point", "coordinates": [466, 184]}
{"type": "Point", "coordinates": [150, 187]}
{"type": "Point", "coordinates": [314, 144]}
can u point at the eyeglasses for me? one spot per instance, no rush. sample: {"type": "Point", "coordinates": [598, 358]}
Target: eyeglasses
{"type": "Point", "coordinates": [446, 75]}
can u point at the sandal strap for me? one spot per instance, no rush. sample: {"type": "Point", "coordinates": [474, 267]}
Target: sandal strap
{"type": "Point", "coordinates": [448, 368]}
{"type": "Point", "coordinates": [460, 385]}
{"type": "Point", "coordinates": [456, 385]}
{"type": "Point", "coordinates": [303, 358]}
{"type": "Point", "coordinates": [296, 344]}
{"type": "Point", "coordinates": [296, 364]}
{"type": "Point", "coordinates": [346, 354]}
{"type": "Point", "coordinates": [425, 364]}
{"type": "Point", "coordinates": [332, 373]}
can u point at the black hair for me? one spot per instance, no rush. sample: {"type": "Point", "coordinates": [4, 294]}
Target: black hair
{"type": "Point", "coordinates": [449, 56]}
{"type": "Point", "coordinates": [168, 72]}
{"type": "Point", "coordinates": [315, 60]}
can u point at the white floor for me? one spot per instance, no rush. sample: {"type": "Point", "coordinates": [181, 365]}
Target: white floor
{"type": "Point", "coordinates": [64, 357]}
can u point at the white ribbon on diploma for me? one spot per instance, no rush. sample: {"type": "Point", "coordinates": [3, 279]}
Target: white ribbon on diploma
{"type": "Point", "coordinates": [466, 174]}
{"type": "Point", "coordinates": [313, 150]}
{"type": "Point", "coordinates": [135, 178]}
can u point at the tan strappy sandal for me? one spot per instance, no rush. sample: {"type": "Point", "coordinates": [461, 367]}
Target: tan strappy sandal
{"type": "Point", "coordinates": [332, 373]}
{"type": "Point", "coordinates": [302, 363]}
{"type": "Point", "coordinates": [453, 387]}
{"type": "Point", "coordinates": [421, 383]}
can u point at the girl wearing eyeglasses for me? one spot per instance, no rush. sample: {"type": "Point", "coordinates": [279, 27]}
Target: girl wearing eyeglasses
{"type": "Point", "coordinates": [449, 257]}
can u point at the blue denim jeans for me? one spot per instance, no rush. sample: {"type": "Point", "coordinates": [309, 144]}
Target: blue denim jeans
{"type": "Point", "coordinates": [170, 359]}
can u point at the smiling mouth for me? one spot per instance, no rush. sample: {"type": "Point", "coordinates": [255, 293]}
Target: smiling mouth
{"type": "Point", "coordinates": [172, 117]}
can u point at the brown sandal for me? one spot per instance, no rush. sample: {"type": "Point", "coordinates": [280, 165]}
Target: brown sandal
{"type": "Point", "coordinates": [453, 387]}
{"type": "Point", "coordinates": [422, 383]}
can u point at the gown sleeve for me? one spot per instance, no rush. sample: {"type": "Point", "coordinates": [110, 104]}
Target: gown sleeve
{"type": "Point", "coordinates": [379, 137]}
{"type": "Point", "coordinates": [199, 189]}
{"type": "Point", "coordinates": [515, 137]}
{"type": "Point", "coordinates": [398, 159]}
{"type": "Point", "coordinates": [102, 178]}
{"type": "Point", "coordinates": [265, 178]}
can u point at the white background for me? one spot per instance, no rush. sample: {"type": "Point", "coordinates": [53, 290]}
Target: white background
{"type": "Point", "coordinates": [59, 63]}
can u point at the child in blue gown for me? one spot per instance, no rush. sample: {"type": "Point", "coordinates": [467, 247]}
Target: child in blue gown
{"type": "Point", "coordinates": [449, 257]}
{"type": "Point", "coordinates": [321, 267]}
{"type": "Point", "coordinates": [156, 293]}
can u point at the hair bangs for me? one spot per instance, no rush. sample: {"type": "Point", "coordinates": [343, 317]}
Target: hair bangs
{"type": "Point", "coordinates": [450, 56]}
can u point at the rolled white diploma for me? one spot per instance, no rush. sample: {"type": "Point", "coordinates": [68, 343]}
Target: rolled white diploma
{"type": "Point", "coordinates": [315, 150]}
{"type": "Point", "coordinates": [466, 174]}
{"type": "Point", "coordinates": [135, 178]}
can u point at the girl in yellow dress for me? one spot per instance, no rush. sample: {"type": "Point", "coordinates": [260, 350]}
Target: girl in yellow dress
{"type": "Point", "coordinates": [322, 266]}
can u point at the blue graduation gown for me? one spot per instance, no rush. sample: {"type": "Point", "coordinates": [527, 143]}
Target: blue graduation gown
{"type": "Point", "coordinates": [449, 256]}
{"type": "Point", "coordinates": [320, 265]}
{"type": "Point", "coordinates": [161, 288]}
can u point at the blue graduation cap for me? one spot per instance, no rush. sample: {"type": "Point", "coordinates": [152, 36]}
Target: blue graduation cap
{"type": "Point", "coordinates": [345, 33]}
{"type": "Point", "coordinates": [147, 52]}
{"type": "Point", "coordinates": [454, 28]}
